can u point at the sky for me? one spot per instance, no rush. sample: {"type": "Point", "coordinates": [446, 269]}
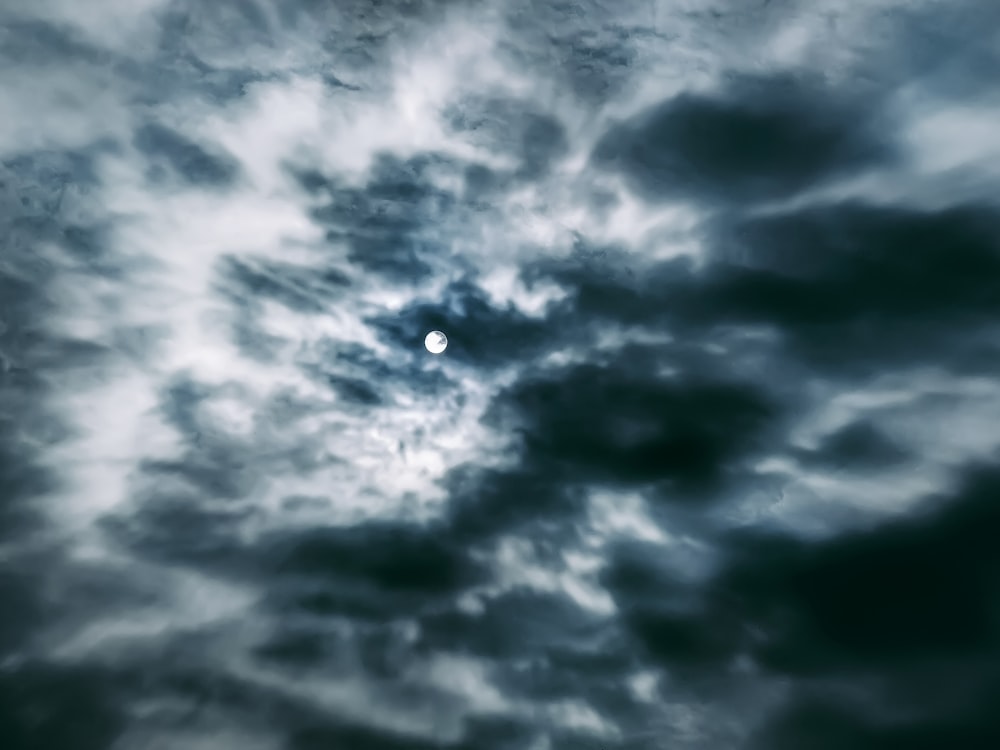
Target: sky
{"type": "Point", "coordinates": [710, 462]}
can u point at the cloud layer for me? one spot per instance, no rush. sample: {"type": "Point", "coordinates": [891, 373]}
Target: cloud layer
{"type": "Point", "coordinates": [708, 462]}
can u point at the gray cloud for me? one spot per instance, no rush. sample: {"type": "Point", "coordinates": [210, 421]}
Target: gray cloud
{"type": "Point", "coordinates": [702, 466]}
{"type": "Point", "coordinates": [759, 139]}
{"type": "Point", "coordinates": [190, 161]}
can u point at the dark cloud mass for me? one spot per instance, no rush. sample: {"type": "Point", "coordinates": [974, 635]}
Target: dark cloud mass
{"type": "Point", "coordinates": [755, 140]}
{"type": "Point", "coordinates": [852, 287]}
{"type": "Point", "coordinates": [708, 463]}
{"type": "Point", "coordinates": [918, 590]}
{"type": "Point", "coordinates": [632, 428]}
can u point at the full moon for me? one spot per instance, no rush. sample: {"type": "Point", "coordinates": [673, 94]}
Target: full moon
{"type": "Point", "coordinates": [436, 342]}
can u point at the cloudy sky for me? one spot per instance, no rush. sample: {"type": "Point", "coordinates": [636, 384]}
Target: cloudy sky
{"type": "Point", "coordinates": [709, 464]}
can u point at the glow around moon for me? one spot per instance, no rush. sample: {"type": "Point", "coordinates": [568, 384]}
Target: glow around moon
{"type": "Point", "coordinates": [436, 342]}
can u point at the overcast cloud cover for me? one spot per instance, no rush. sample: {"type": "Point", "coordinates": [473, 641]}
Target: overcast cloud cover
{"type": "Point", "coordinates": [710, 462]}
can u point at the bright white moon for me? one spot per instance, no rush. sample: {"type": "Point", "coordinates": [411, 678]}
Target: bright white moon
{"type": "Point", "coordinates": [436, 342]}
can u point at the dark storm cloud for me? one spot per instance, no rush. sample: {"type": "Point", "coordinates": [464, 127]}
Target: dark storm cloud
{"type": "Point", "coordinates": [618, 424]}
{"type": "Point", "coordinates": [915, 590]}
{"type": "Point", "coordinates": [911, 592]}
{"type": "Point", "coordinates": [828, 723]}
{"type": "Point", "coordinates": [389, 225]}
{"type": "Point", "coordinates": [613, 421]}
{"type": "Point", "coordinates": [877, 285]}
{"type": "Point", "coordinates": [665, 615]}
{"type": "Point", "coordinates": [372, 573]}
{"type": "Point", "coordinates": [192, 162]}
{"type": "Point", "coordinates": [757, 139]}
{"type": "Point", "coordinates": [871, 625]}
{"type": "Point", "coordinates": [319, 737]}
{"type": "Point", "coordinates": [484, 503]}
{"type": "Point", "coordinates": [851, 287]}
{"type": "Point", "coordinates": [43, 706]}
{"type": "Point", "coordinates": [479, 334]}
{"type": "Point", "coordinates": [480, 732]}
{"type": "Point", "coordinates": [18, 589]}
{"type": "Point", "coordinates": [397, 557]}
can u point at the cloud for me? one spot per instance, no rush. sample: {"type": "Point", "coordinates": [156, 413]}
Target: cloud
{"type": "Point", "coordinates": [612, 424]}
{"type": "Point", "coordinates": [297, 287]}
{"type": "Point", "coordinates": [135, 22]}
{"type": "Point", "coordinates": [831, 723]}
{"type": "Point", "coordinates": [872, 621]}
{"type": "Point", "coordinates": [851, 287]}
{"type": "Point", "coordinates": [50, 706]}
{"type": "Point", "coordinates": [395, 557]}
{"type": "Point", "coordinates": [913, 591]}
{"type": "Point", "coordinates": [389, 224]}
{"type": "Point", "coordinates": [510, 127]}
{"type": "Point", "coordinates": [720, 289]}
{"type": "Point", "coordinates": [759, 138]}
{"type": "Point", "coordinates": [479, 334]}
{"type": "Point", "coordinates": [37, 195]}
{"type": "Point", "coordinates": [883, 277]}
{"type": "Point", "coordinates": [190, 161]}
{"type": "Point", "coordinates": [858, 446]}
